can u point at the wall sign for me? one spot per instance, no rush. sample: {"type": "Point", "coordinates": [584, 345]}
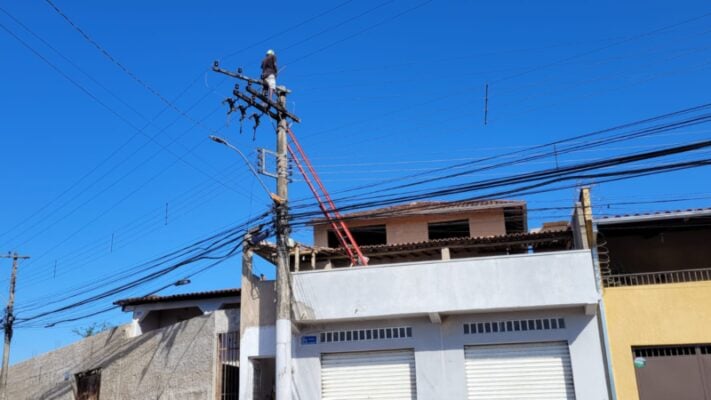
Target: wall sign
{"type": "Point", "coordinates": [310, 339]}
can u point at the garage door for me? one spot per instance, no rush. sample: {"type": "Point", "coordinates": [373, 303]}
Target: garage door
{"type": "Point", "coordinates": [519, 371]}
{"type": "Point", "coordinates": [674, 372]}
{"type": "Point", "coordinates": [368, 375]}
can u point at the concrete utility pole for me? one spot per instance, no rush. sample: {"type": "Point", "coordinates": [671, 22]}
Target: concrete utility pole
{"type": "Point", "coordinates": [258, 100]}
{"type": "Point", "coordinates": [283, 295]}
{"type": "Point", "coordinates": [7, 325]}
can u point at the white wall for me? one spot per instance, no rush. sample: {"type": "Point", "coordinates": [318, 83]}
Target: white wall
{"type": "Point", "coordinates": [516, 282]}
{"type": "Point", "coordinates": [256, 342]}
{"type": "Point", "coordinates": [546, 285]}
{"type": "Point", "coordinates": [207, 306]}
{"type": "Point", "coordinates": [439, 351]}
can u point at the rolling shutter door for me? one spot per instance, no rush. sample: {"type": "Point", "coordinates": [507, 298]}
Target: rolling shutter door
{"type": "Point", "coordinates": [368, 375]}
{"type": "Point", "coordinates": [519, 371]}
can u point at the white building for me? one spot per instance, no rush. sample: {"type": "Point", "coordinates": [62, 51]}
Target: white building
{"type": "Point", "coordinates": [459, 301]}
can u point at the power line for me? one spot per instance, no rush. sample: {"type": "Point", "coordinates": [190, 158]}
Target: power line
{"type": "Point", "coordinates": [530, 153]}
{"type": "Point", "coordinates": [360, 32]}
{"type": "Point", "coordinates": [538, 176]}
{"type": "Point", "coordinates": [38, 213]}
{"type": "Point", "coordinates": [134, 230]}
{"type": "Point", "coordinates": [289, 29]}
{"type": "Point", "coordinates": [206, 249]}
{"type": "Point", "coordinates": [113, 59]}
{"type": "Point", "coordinates": [530, 182]}
{"type": "Point", "coordinates": [598, 49]}
{"type": "Point", "coordinates": [99, 101]}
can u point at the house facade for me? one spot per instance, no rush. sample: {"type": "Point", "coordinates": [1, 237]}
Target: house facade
{"type": "Point", "coordinates": [657, 303]}
{"type": "Point", "coordinates": [177, 347]}
{"type": "Point", "coordinates": [459, 301]}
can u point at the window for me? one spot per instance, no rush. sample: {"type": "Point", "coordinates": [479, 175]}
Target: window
{"type": "Point", "coordinates": [363, 235]}
{"type": "Point", "coordinates": [367, 334]}
{"type": "Point", "coordinates": [448, 229]}
{"type": "Point", "coordinates": [88, 384]}
{"type": "Point", "coordinates": [514, 325]}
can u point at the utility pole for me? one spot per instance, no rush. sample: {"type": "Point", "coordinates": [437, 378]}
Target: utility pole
{"type": "Point", "coordinates": [283, 298]}
{"type": "Point", "coordinates": [257, 99]}
{"type": "Point", "coordinates": [7, 325]}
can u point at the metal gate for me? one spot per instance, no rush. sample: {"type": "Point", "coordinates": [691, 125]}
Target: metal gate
{"type": "Point", "coordinates": [519, 371]}
{"type": "Point", "coordinates": [368, 375]}
{"type": "Point", "coordinates": [673, 372]}
{"type": "Point", "coordinates": [228, 365]}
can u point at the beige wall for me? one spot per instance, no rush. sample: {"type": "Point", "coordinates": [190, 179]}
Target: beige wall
{"type": "Point", "coordinates": [176, 362]}
{"type": "Point", "coordinates": [258, 306]}
{"type": "Point", "coordinates": [410, 229]}
{"type": "Point", "coordinates": [653, 315]}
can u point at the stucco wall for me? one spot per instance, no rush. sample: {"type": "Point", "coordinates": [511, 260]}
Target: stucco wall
{"type": "Point", "coordinates": [255, 342]}
{"type": "Point", "coordinates": [653, 315]}
{"type": "Point", "coordinates": [176, 362]}
{"type": "Point", "coordinates": [439, 351]}
{"type": "Point", "coordinates": [513, 282]}
{"type": "Point", "coordinates": [258, 303]}
{"type": "Point", "coordinates": [413, 228]}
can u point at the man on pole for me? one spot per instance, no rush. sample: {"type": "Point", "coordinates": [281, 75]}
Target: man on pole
{"type": "Point", "coordinates": [269, 72]}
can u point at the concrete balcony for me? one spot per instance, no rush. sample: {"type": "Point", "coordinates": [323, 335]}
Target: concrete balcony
{"type": "Point", "coordinates": [469, 285]}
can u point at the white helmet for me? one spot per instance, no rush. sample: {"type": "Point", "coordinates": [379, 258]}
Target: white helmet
{"type": "Point", "coordinates": [270, 52]}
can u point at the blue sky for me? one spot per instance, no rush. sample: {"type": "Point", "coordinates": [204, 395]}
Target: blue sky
{"type": "Point", "coordinates": [384, 89]}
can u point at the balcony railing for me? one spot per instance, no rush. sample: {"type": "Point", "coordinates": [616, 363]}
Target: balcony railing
{"type": "Point", "coordinates": [658, 278]}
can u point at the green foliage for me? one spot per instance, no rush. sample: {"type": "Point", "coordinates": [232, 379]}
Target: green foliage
{"type": "Point", "coordinates": [93, 329]}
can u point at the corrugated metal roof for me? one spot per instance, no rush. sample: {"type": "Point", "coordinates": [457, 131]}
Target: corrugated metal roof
{"type": "Point", "coordinates": [428, 207]}
{"type": "Point", "coordinates": [654, 215]}
{"type": "Point", "coordinates": [179, 297]}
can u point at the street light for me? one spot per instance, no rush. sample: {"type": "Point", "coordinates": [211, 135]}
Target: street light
{"type": "Point", "coordinates": [220, 140]}
{"type": "Point", "coordinates": [180, 282]}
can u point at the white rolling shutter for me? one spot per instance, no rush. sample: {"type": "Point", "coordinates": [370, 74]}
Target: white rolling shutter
{"type": "Point", "coordinates": [519, 371]}
{"type": "Point", "coordinates": [368, 375]}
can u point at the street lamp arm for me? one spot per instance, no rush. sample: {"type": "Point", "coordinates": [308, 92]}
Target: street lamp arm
{"type": "Point", "coordinates": [220, 140]}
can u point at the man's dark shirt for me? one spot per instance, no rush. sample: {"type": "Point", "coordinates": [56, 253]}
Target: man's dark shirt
{"type": "Point", "coordinates": [269, 66]}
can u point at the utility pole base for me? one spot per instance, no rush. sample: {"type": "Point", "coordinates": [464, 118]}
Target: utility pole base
{"type": "Point", "coordinates": [283, 359]}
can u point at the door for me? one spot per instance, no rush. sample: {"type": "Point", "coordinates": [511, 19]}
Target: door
{"type": "Point", "coordinates": [263, 372]}
{"type": "Point", "coordinates": [674, 372]}
{"type": "Point", "coordinates": [368, 375]}
{"type": "Point", "coordinates": [228, 366]}
{"type": "Point", "coordinates": [519, 371]}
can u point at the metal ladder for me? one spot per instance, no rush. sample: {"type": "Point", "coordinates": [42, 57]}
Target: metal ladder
{"type": "Point", "coordinates": [325, 203]}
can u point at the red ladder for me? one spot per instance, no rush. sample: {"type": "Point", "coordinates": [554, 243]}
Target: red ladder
{"type": "Point", "coordinates": [328, 207]}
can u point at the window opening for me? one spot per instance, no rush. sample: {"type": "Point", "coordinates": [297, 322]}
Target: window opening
{"type": "Point", "coordinates": [448, 229]}
{"type": "Point", "coordinates": [363, 235]}
{"type": "Point", "coordinates": [88, 384]}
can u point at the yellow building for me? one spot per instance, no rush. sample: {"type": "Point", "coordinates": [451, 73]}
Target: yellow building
{"type": "Point", "coordinates": [656, 273]}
